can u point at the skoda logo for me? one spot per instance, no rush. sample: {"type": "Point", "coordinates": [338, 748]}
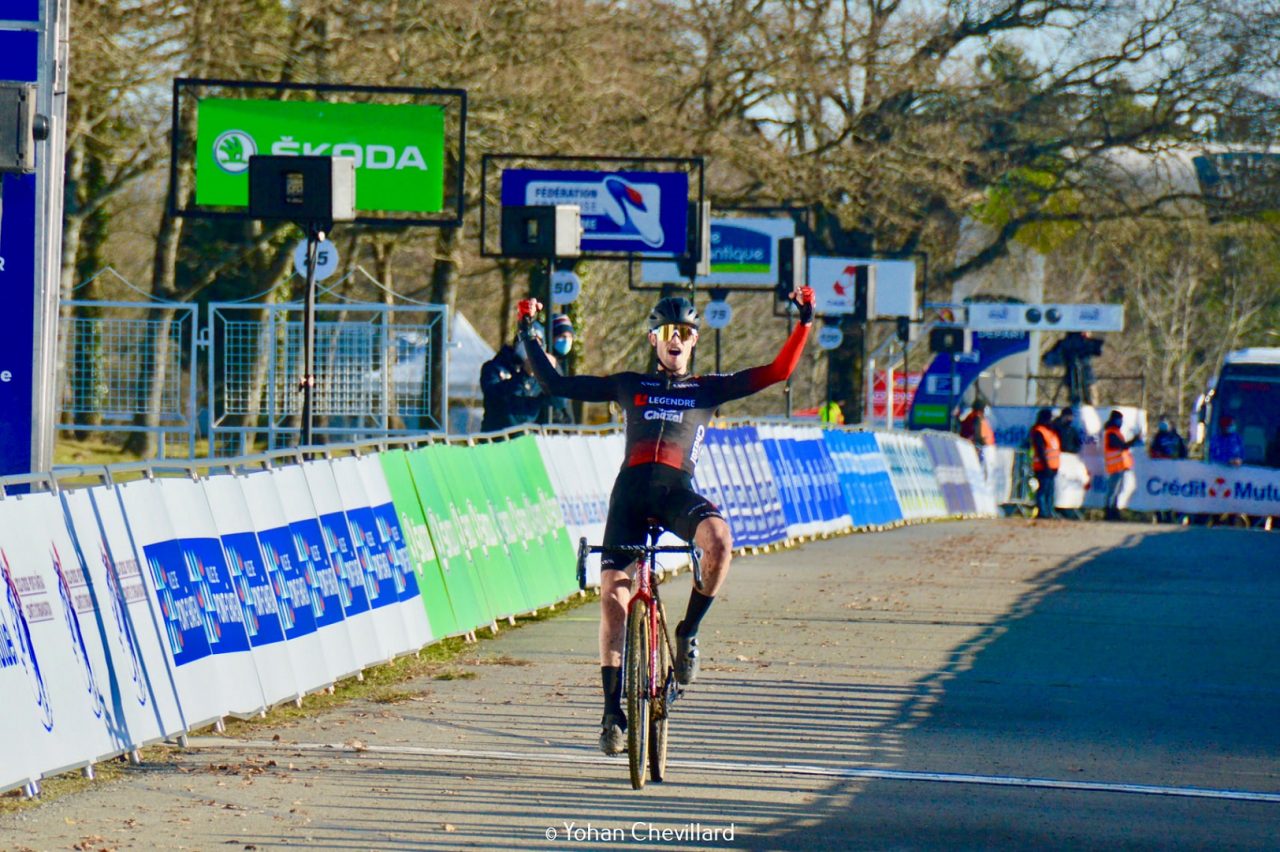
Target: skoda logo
{"type": "Point", "coordinates": [232, 150]}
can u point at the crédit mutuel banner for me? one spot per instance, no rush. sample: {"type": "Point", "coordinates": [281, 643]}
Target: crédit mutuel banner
{"type": "Point", "coordinates": [744, 253]}
{"type": "Point", "coordinates": [1200, 488]}
{"type": "Point", "coordinates": [398, 148]}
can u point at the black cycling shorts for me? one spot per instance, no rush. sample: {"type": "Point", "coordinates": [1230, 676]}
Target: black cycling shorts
{"type": "Point", "coordinates": [651, 491]}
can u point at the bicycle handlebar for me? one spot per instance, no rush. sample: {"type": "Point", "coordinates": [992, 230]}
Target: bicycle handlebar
{"type": "Point", "coordinates": [637, 550]}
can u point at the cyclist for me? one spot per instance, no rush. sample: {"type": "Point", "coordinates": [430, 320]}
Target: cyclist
{"type": "Point", "coordinates": [667, 413]}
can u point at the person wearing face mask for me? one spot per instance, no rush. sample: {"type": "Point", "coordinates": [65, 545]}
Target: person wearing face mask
{"type": "Point", "coordinates": [557, 407]}
{"type": "Point", "coordinates": [1167, 443]}
{"type": "Point", "coordinates": [1226, 447]}
{"type": "Point", "coordinates": [667, 414]}
{"type": "Point", "coordinates": [512, 395]}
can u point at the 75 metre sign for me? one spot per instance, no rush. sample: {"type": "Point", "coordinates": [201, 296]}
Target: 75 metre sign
{"type": "Point", "coordinates": [398, 148]}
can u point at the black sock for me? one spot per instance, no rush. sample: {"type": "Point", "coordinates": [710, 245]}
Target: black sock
{"type": "Point", "coordinates": [611, 682]}
{"type": "Point", "coordinates": [698, 606]}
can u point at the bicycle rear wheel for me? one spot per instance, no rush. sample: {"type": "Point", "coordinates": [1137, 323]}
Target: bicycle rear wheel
{"type": "Point", "coordinates": [661, 711]}
{"type": "Point", "coordinates": [637, 674]}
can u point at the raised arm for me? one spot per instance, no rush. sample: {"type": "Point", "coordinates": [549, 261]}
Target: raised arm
{"type": "Point", "coordinates": [585, 388]}
{"type": "Point", "coordinates": [747, 382]}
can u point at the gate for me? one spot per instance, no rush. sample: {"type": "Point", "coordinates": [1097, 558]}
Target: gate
{"type": "Point", "coordinates": [380, 370]}
{"type": "Point", "coordinates": [128, 367]}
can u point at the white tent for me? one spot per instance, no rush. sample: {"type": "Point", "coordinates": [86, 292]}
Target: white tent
{"type": "Point", "coordinates": [467, 352]}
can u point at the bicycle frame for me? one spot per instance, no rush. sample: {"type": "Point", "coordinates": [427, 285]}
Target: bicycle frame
{"type": "Point", "coordinates": [645, 589]}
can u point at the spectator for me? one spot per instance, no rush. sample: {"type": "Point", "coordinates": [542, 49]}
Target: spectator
{"type": "Point", "coordinates": [830, 412]}
{"type": "Point", "coordinates": [1045, 457]}
{"type": "Point", "coordinates": [512, 396]}
{"type": "Point", "coordinates": [1075, 353]}
{"type": "Point", "coordinates": [1115, 451]}
{"type": "Point", "coordinates": [1167, 443]}
{"type": "Point", "coordinates": [1226, 447]}
{"type": "Point", "coordinates": [557, 408]}
{"type": "Point", "coordinates": [1068, 435]}
{"type": "Point", "coordinates": [975, 427]}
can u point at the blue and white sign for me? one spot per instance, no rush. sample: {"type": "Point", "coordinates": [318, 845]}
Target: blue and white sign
{"type": "Point", "coordinates": [631, 212]}
{"type": "Point", "coordinates": [830, 337]}
{"type": "Point", "coordinates": [717, 314]}
{"type": "Point", "coordinates": [744, 253]}
{"type": "Point", "coordinates": [19, 52]}
{"type": "Point", "coordinates": [566, 286]}
{"type": "Point", "coordinates": [1012, 317]}
{"type": "Point", "coordinates": [326, 259]}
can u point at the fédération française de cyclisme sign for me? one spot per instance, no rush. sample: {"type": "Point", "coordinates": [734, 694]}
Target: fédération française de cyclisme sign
{"type": "Point", "coordinates": [398, 148]}
{"type": "Point", "coordinates": [633, 212]}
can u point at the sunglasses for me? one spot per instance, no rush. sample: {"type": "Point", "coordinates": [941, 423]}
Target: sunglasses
{"type": "Point", "coordinates": [670, 330]}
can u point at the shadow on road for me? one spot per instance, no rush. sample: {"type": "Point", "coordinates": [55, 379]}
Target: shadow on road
{"type": "Point", "coordinates": [1156, 662]}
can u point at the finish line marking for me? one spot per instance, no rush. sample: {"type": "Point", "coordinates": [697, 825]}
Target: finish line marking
{"type": "Point", "coordinates": [196, 743]}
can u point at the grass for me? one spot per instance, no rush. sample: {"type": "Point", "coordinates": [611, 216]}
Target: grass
{"type": "Point", "coordinates": [382, 684]}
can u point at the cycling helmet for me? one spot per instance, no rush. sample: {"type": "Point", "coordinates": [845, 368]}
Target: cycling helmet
{"type": "Point", "coordinates": [673, 309]}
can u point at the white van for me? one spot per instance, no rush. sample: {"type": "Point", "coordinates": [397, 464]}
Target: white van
{"type": "Point", "coordinates": [1248, 391]}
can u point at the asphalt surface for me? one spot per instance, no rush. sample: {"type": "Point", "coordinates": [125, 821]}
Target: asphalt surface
{"type": "Point", "coordinates": [993, 684]}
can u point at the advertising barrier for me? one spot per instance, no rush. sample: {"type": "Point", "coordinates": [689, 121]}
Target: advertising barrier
{"type": "Point", "coordinates": [141, 610]}
{"type": "Point", "coordinates": [1194, 487]}
{"type": "Point", "coordinates": [912, 474]}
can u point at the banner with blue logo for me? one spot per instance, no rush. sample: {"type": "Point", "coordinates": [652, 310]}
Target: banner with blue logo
{"type": "Point", "coordinates": [395, 545]}
{"type": "Point", "coordinates": [624, 211]}
{"type": "Point", "coordinates": [217, 593]}
{"type": "Point", "coordinates": [356, 586]}
{"type": "Point", "coordinates": [288, 580]}
{"type": "Point", "coordinates": [141, 698]}
{"type": "Point", "coordinates": [248, 566]}
{"type": "Point", "coordinates": [49, 615]}
{"type": "Point", "coordinates": [310, 553]}
{"type": "Point", "coordinates": [944, 450]}
{"type": "Point", "coordinates": [373, 553]}
{"type": "Point", "coordinates": [744, 253]}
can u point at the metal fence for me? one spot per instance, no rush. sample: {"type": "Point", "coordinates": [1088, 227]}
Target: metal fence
{"type": "Point", "coordinates": [127, 369]}
{"type": "Point", "coordinates": [379, 371]}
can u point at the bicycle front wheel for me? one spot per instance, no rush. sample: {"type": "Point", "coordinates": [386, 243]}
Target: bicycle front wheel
{"type": "Point", "coordinates": [637, 674]}
{"type": "Point", "coordinates": [661, 710]}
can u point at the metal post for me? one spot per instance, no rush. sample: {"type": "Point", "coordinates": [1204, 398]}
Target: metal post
{"type": "Point", "coordinates": [787, 389]}
{"type": "Point", "coordinates": [951, 396]}
{"type": "Point", "coordinates": [717, 350]}
{"type": "Point", "coordinates": [314, 237]}
{"type": "Point", "coordinates": [888, 389]}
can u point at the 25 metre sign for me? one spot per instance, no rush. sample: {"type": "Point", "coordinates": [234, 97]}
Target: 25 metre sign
{"type": "Point", "coordinates": [399, 149]}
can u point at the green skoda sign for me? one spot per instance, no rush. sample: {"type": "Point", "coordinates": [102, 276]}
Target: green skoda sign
{"type": "Point", "coordinates": [398, 148]}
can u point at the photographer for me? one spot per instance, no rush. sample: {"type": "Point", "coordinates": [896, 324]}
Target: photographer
{"type": "Point", "coordinates": [1075, 353]}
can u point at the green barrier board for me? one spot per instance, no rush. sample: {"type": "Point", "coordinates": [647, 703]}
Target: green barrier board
{"type": "Point", "coordinates": [405, 498]}
{"type": "Point", "coordinates": [514, 510]}
{"type": "Point", "coordinates": [470, 607]}
{"type": "Point", "coordinates": [548, 521]}
{"type": "Point", "coordinates": [488, 551]}
{"type": "Point", "coordinates": [494, 465]}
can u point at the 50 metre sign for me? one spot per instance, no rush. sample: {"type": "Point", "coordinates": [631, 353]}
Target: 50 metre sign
{"type": "Point", "coordinates": [398, 148]}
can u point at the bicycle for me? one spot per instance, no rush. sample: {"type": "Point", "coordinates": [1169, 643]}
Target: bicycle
{"type": "Point", "coordinates": [648, 675]}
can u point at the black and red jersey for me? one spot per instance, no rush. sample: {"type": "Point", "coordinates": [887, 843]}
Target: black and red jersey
{"type": "Point", "coordinates": [667, 415]}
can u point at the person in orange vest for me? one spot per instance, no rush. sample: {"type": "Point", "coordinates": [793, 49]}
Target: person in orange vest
{"type": "Point", "coordinates": [976, 428]}
{"type": "Point", "coordinates": [1046, 450]}
{"type": "Point", "coordinates": [1115, 450]}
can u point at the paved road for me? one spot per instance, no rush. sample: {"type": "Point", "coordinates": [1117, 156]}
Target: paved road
{"type": "Point", "coordinates": [872, 691]}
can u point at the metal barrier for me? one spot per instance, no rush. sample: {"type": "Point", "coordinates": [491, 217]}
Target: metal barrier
{"type": "Point", "coordinates": [128, 370]}
{"type": "Point", "coordinates": [379, 371]}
